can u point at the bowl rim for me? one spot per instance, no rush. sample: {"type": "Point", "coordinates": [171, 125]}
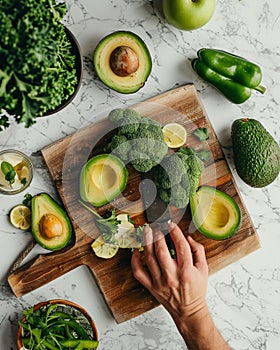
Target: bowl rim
{"type": "Point", "coordinates": [31, 169]}
{"type": "Point", "coordinates": [63, 302]}
{"type": "Point", "coordinates": [79, 65]}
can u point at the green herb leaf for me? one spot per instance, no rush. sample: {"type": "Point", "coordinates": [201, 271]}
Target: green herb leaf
{"type": "Point", "coordinates": [201, 134]}
{"type": "Point", "coordinates": [204, 154]}
{"type": "Point", "coordinates": [8, 171]}
{"type": "Point", "coordinates": [27, 199]}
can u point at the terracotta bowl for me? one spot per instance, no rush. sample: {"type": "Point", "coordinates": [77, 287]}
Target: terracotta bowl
{"type": "Point", "coordinates": [68, 307]}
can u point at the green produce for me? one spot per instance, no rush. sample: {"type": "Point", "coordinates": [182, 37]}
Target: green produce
{"type": "Point", "coordinates": [37, 65]}
{"type": "Point", "coordinates": [50, 224]}
{"type": "Point", "coordinates": [51, 328]}
{"type": "Point", "coordinates": [215, 214]}
{"type": "Point", "coordinates": [108, 227]}
{"type": "Point", "coordinates": [102, 179]}
{"type": "Point", "coordinates": [233, 76]}
{"type": "Point", "coordinates": [177, 176]}
{"type": "Point", "coordinates": [122, 62]}
{"type": "Point", "coordinates": [188, 14]}
{"type": "Point", "coordinates": [256, 153]}
{"type": "Point", "coordinates": [138, 140]}
{"type": "Point", "coordinates": [201, 133]}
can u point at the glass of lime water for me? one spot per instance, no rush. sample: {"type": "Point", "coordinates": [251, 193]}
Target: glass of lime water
{"type": "Point", "coordinates": [16, 171]}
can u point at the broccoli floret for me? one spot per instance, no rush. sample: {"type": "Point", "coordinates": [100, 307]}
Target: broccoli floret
{"type": "Point", "coordinates": [179, 196]}
{"type": "Point", "coordinates": [131, 113]}
{"type": "Point", "coordinates": [116, 115]}
{"type": "Point", "coordinates": [194, 167]}
{"type": "Point", "coordinates": [141, 161]}
{"type": "Point", "coordinates": [129, 126]}
{"type": "Point", "coordinates": [120, 146]}
{"type": "Point", "coordinates": [185, 182]}
{"type": "Point", "coordinates": [164, 194]}
{"type": "Point", "coordinates": [174, 168]}
{"type": "Point", "coordinates": [176, 195]}
{"type": "Point", "coordinates": [178, 176]}
{"type": "Point", "coordinates": [145, 141]}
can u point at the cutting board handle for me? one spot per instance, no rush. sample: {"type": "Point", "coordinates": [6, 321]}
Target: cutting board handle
{"type": "Point", "coordinates": [45, 268]}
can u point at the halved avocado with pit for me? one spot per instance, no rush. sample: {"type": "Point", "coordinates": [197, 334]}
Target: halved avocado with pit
{"type": "Point", "coordinates": [215, 214]}
{"type": "Point", "coordinates": [122, 61]}
{"type": "Point", "coordinates": [102, 179]}
{"type": "Point", "coordinates": [50, 224]}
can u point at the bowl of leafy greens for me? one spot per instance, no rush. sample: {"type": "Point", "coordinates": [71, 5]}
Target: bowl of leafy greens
{"type": "Point", "coordinates": [56, 324]}
{"type": "Point", "coordinates": [40, 61]}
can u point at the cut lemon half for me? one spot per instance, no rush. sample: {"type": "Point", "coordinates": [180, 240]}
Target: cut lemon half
{"type": "Point", "coordinates": [175, 135]}
{"type": "Point", "coordinates": [20, 217]}
{"type": "Point", "coordinates": [102, 249]}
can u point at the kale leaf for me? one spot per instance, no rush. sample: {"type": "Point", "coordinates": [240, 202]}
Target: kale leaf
{"type": "Point", "coordinates": [37, 65]}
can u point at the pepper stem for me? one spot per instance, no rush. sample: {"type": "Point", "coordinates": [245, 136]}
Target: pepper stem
{"type": "Point", "coordinates": [260, 89]}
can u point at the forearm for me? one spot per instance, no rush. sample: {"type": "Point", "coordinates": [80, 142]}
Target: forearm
{"type": "Point", "coordinates": [200, 333]}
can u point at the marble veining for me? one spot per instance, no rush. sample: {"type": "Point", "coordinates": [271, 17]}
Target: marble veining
{"type": "Point", "coordinates": [244, 297]}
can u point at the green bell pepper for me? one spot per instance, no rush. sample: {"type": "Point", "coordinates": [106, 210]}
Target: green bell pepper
{"type": "Point", "coordinates": [234, 76]}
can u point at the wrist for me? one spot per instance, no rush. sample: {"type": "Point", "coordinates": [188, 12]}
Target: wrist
{"type": "Point", "coordinates": [189, 321]}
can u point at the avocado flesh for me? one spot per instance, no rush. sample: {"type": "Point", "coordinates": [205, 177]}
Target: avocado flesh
{"type": "Point", "coordinates": [214, 213]}
{"type": "Point", "coordinates": [101, 60]}
{"type": "Point", "coordinates": [102, 179]}
{"type": "Point", "coordinates": [42, 205]}
{"type": "Point", "coordinates": [256, 153]}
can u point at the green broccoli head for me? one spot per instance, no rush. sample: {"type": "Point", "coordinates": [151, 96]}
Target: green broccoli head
{"type": "Point", "coordinates": [131, 113]}
{"type": "Point", "coordinates": [116, 115]}
{"type": "Point", "coordinates": [179, 196]}
{"type": "Point", "coordinates": [138, 139]}
{"type": "Point", "coordinates": [119, 146]}
{"type": "Point", "coordinates": [141, 161]}
{"type": "Point", "coordinates": [176, 195]}
{"type": "Point", "coordinates": [129, 126]}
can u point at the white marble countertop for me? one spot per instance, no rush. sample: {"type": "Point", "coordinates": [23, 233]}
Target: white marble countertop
{"type": "Point", "coordinates": [244, 297]}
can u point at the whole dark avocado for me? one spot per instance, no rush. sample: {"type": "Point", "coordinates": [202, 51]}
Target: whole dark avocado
{"type": "Point", "coordinates": [122, 61]}
{"type": "Point", "coordinates": [256, 153]}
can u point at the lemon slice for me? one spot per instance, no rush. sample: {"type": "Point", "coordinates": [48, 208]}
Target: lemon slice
{"type": "Point", "coordinates": [102, 249]}
{"type": "Point", "coordinates": [22, 171]}
{"type": "Point", "coordinates": [175, 135]}
{"type": "Point", "coordinates": [20, 217]}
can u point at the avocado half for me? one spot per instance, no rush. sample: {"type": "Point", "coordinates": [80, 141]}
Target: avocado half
{"type": "Point", "coordinates": [51, 227]}
{"type": "Point", "coordinates": [122, 61]}
{"type": "Point", "coordinates": [102, 179]}
{"type": "Point", "coordinates": [214, 213]}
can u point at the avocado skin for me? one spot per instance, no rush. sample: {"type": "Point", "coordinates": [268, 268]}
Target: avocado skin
{"type": "Point", "coordinates": [256, 153]}
{"type": "Point", "coordinates": [44, 200]}
{"type": "Point", "coordinates": [120, 84]}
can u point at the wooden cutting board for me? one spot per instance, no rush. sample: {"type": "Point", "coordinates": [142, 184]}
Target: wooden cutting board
{"type": "Point", "coordinates": [125, 297]}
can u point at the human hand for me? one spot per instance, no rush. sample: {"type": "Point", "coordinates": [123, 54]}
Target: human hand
{"type": "Point", "coordinates": [179, 285]}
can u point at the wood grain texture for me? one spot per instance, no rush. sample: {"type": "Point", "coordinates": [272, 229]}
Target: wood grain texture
{"type": "Point", "coordinates": [125, 297]}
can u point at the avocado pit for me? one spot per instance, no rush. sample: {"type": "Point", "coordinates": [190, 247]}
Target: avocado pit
{"type": "Point", "coordinates": [50, 226]}
{"type": "Point", "coordinates": [124, 61]}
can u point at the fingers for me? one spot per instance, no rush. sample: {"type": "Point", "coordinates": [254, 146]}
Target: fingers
{"type": "Point", "coordinates": [183, 250]}
{"type": "Point", "coordinates": [138, 270]}
{"type": "Point", "coordinates": [198, 252]}
{"type": "Point", "coordinates": [188, 250]}
{"type": "Point", "coordinates": [150, 257]}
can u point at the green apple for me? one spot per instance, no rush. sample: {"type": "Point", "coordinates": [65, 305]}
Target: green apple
{"type": "Point", "coordinates": [188, 14]}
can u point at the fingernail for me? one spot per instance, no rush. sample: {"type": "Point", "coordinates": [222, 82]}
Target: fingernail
{"type": "Point", "coordinates": [171, 225]}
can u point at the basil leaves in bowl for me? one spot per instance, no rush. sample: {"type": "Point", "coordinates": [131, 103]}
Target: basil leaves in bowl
{"type": "Point", "coordinates": [56, 324]}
